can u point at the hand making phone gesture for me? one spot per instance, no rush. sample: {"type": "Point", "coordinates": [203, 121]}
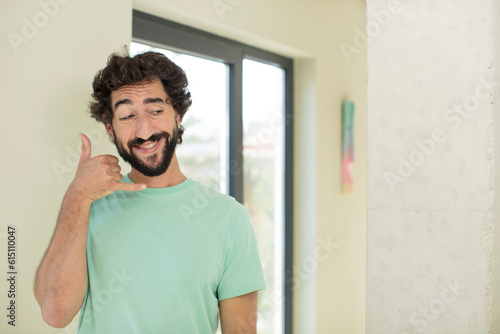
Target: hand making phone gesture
{"type": "Point", "coordinates": [99, 176]}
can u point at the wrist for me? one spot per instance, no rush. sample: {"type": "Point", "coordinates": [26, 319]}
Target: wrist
{"type": "Point", "coordinates": [74, 195]}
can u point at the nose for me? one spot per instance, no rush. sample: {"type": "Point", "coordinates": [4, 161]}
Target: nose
{"type": "Point", "coordinates": [144, 128]}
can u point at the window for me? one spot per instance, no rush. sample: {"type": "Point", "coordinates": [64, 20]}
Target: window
{"type": "Point", "coordinates": [238, 140]}
{"type": "Point", "coordinates": [263, 163]}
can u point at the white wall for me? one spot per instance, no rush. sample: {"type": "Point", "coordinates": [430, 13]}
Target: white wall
{"type": "Point", "coordinates": [496, 208]}
{"type": "Point", "coordinates": [47, 94]}
{"type": "Point", "coordinates": [45, 91]}
{"type": "Point", "coordinates": [431, 169]}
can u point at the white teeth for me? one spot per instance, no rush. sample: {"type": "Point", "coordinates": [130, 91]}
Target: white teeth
{"type": "Point", "coordinates": [148, 146]}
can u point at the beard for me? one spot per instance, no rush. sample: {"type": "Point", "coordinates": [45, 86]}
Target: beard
{"type": "Point", "coordinates": [155, 164]}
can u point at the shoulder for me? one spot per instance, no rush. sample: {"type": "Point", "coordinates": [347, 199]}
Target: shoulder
{"type": "Point", "coordinates": [214, 200]}
{"type": "Point", "coordinates": [205, 193]}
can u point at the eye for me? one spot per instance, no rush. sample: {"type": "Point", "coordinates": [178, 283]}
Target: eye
{"type": "Point", "coordinates": [157, 112]}
{"type": "Point", "coordinates": [124, 118]}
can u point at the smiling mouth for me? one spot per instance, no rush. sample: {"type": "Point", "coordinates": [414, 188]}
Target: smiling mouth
{"type": "Point", "coordinates": [148, 147]}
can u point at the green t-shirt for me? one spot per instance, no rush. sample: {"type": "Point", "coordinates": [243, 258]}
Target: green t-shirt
{"type": "Point", "coordinates": [159, 260]}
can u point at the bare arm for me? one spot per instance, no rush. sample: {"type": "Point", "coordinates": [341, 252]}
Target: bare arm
{"type": "Point", "coordinates": [238, 315]}
{"type": "Point", "coordinates": [61, 278]}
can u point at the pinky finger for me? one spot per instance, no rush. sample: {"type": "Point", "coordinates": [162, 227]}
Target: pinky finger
{"type": "Point", "coordinates": [117, 177]}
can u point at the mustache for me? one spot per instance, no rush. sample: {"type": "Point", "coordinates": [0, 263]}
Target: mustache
{"type": "Point", "coordinates": [154, 137]}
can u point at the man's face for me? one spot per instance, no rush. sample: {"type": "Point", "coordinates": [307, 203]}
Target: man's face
{"type": "Point", "coordinates": [144, 127]}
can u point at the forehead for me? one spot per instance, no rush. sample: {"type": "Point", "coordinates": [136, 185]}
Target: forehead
{"type": "Point", "coordinates": [139, 92]}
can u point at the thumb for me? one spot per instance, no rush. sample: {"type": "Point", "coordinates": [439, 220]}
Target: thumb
{"type": "Point", "coordinates": [86, 148]}
{"type": "Point", "coordinates": [124, 186]}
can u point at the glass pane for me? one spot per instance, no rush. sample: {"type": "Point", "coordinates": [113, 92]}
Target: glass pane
{"type": "Point", "coordinates": [263, 165]}
{"type": "Point", "coordinates": [203, 152]}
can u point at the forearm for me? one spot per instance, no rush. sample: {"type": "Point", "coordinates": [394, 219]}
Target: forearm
{"type": "Point", "coordinates": [61, 279]}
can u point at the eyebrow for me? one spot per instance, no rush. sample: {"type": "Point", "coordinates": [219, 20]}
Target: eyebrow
{"type": "Point", "coordinates": [148, 100]}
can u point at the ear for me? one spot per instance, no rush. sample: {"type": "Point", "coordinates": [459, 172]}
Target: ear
{"type": "Point", "coordinates": [109, 130]}
{"type": "Point", "coordinates": [178, 118]}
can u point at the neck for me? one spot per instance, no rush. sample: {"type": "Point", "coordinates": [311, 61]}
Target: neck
{"type": "Point", "coordinates": [172, 176]}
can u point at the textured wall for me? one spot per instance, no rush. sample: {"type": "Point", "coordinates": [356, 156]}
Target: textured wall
{"type": "Point", "coordinates": [496, 66]}
{"type": "Point", "coordinates": [431, 166]}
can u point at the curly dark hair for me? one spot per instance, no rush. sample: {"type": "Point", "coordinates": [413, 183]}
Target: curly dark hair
{"type": "Point", "coordinates": [143, 68]}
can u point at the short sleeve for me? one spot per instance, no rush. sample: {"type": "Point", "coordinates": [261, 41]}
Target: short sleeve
{"type": "Point", "coordinates": [242, 267]}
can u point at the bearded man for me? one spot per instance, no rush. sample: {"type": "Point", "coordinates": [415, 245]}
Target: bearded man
{"type": "Point", "coordinates": [153, 251]}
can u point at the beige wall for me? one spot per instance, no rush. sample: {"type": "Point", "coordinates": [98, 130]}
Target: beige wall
{"type": "Point", "coordinates": [48, 91]}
